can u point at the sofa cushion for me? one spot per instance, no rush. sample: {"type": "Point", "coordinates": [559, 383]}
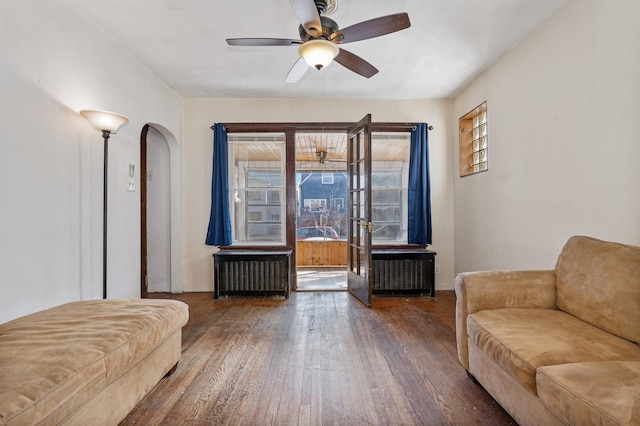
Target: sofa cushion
{"type": "Point", "coordinates": [522, 339]}
{"type": "Point", "coordinates": [55, 360]}
{"type": "Point", "coordinates": [595, 393]}
{"type": "Point", "coordinates": [599, 283]}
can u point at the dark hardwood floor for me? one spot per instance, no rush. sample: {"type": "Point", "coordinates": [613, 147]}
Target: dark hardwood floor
{"type": "Point", "coordinates": [318, 358]}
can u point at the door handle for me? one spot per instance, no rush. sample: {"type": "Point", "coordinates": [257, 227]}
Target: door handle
{"type": "Point", "coordinates": [368, 225]}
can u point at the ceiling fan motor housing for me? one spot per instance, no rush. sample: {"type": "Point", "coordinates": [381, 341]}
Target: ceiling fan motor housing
{"type": "Point", "coordinates": [322, 155]}
{"type": "Point", "coordinates": [329, 26]}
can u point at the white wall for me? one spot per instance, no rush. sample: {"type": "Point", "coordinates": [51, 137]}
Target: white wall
{"type": "Point", "coordinates": [563, 129]}
{"type": "Point", "coordinates": [564, 144]}
{"type": "Point", "coordinates": [52, 64]}
{"type": "Point", "coordinates": [201, 114]}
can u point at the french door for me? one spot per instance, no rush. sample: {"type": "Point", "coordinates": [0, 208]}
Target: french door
{"type": "Point", "coordinates": [359, 270]}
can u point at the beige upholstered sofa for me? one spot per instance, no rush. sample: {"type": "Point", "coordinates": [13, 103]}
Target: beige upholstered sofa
{"type": "Point", "coordinates": [557, 346]}
{"type": "Point", "coordinates": [86, 363]}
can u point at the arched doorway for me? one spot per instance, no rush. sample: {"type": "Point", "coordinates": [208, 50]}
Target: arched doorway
{"type": "Point", "coordinates": [160, 211]}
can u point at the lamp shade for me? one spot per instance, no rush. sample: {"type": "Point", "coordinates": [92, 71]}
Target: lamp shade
{"type": "Point", "coordinates": [318, 53]}
{"type": "Point", "coordinates": [104, 120]}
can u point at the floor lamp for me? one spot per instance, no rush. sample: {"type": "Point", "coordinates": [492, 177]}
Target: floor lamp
{"type": "Point", "coordinates": [107, 123]}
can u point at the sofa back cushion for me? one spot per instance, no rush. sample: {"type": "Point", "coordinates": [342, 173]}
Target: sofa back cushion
{"type": "Point", "coordinates": [599, 282]}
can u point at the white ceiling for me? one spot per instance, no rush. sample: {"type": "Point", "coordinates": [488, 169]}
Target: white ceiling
{"type": "Point", "coordinates": [183, 42]}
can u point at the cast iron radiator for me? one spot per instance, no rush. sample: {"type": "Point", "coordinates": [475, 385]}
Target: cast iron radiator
{"type": "Point", "coordinates": [403, 271]}
{"type": "Point", "coordinates": [243, 272]}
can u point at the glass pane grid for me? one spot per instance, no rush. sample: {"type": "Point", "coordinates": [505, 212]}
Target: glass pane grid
{"type": "Point", "coordinates": [474, 141]}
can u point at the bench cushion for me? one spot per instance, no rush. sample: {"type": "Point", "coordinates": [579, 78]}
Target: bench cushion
{"type": "Point", "coordinates": [592, 393]}
{"type": "Point", "coordinates": [520, 340]}
{"type": "Point", "coordinates": [57, 359]}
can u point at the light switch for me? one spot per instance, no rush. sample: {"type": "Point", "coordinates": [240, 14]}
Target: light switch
{"type": "Point", "coordinates": [150, 175]}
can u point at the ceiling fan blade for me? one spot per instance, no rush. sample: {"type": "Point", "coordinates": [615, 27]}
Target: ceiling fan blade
{"type": "Point", "coordinates": [262, 42]}
{"type": "Point", "coordinates": [372, 28]}
{"type": "Point", "coordinates": [307, 13]}
{"type": "Point", "coordinates": [297, 71]}
{"type": "Point", "coordinates": [356, 64]}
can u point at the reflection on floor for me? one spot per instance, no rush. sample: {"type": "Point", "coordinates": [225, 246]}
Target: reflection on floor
{"type": "Point", "coordinates": [317, 278]}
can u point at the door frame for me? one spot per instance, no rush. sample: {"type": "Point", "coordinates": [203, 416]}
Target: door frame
{"type": "Point", "coordinates": [290, 129]}
{"type": "Point", "coordinates": [144, 276]}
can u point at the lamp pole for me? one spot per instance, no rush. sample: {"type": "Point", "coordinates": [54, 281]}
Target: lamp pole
{"type": "Point", "coordinates": [105, 176]}
{"type": "Point", "coordinates": [107, 123]}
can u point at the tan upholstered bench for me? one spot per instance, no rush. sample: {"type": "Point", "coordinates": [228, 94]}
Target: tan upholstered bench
{"type": "Point", "coordinates": [87, 362]}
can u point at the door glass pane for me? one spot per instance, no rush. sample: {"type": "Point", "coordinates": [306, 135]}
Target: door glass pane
{"type": "Point", "coordinates": [362, 263]}
{"type": "Point", "coordinates": [354, 204]}
{"type": "Point", "coordinates": [355, 154]}
{"type": "Point", "coordinates": [355, 229]}
{"type": "Point", "coordinates": [354, 260]}
{"type": "Point", "coordinates": [363, 233]}
{"type": "Point", "coordinates": [355, 184]}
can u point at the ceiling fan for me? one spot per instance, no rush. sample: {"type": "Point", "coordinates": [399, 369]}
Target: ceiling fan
{"type": "Point", "coordinates": [322, 156]}
{"type": "Point", "coordinates": [320, 37]}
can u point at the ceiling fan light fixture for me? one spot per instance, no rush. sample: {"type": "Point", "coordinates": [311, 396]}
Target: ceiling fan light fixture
{"type": "Point", "coordinates": [318, 53]}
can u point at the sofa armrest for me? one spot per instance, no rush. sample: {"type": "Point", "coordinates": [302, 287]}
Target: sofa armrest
{"type": "Point", "coordinates": [477, 291]}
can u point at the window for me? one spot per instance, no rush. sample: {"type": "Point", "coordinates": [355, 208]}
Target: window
{"type": "Point", "coordinates": [473, 141]}
{"type": "Point", "coordinates": [389, 181]}
{"type": "Point", "coordinates": [315, 204]}
{"type": "Point", "coordinates": [256, 185]}
{"type": "Point", "coordinates": [260, 195]}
